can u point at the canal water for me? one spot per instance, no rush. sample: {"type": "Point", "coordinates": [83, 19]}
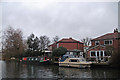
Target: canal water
{"type": "Point", "coordinates": [13, 69]}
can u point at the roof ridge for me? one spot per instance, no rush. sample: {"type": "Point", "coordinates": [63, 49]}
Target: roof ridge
{"type": "Point", "coordinates": [69, 40]}
{"type": "Point", "coordinates": [107, 36]}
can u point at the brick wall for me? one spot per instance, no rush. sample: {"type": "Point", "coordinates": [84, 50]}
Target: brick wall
{"type": "Point", "coordinates": [71, 46]}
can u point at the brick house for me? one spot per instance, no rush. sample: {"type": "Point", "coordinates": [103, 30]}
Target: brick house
{"type": "Point", "coordinates": [97, 50]}
{"type": "Point", "coordinates": [70, 44]}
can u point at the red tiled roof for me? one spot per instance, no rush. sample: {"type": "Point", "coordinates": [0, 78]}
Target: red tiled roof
{"type": "Point", "coordinates": [68, 40]}
{"type": "Point", "coordinates": [108, 36]}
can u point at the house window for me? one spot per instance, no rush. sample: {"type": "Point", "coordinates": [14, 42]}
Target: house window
{"type": "Point", "coordinates": [108, 42]}
{"type": "Point", "coordinates": [67, 53]}
{"type": "Point", "coordinates": [97, 42]}
{"type": "Point", "coordinates": [71, 53]}
{"type": "Point", "coordinates": [92, 53]}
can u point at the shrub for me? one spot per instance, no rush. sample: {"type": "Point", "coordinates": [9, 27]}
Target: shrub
{"type": "Point", "coordinates": [59, 51]}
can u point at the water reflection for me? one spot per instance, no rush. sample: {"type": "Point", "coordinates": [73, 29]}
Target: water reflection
{"type": "Point", "coordinates": [105, 73]}
{"type": "Point", "coordinates": [14, 69]}
{"type": "Point", "coordinates": [75, 72]}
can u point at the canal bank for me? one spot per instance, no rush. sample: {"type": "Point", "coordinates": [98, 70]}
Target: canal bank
{"type": "Point", "coordinates": [51, 62]}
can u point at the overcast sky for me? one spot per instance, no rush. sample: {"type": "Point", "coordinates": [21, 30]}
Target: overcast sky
{"type": "Point", "coordinates": [65, 19]}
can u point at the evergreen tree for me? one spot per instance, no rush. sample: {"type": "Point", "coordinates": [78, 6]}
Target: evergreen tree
{"type": "Point", "coordinates": [33, 46]}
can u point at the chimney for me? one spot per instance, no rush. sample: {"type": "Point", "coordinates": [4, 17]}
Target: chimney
{"type": "Point", "coordinates": [116, 30]}
{"type": "Point", "coordinates": [70, 38]}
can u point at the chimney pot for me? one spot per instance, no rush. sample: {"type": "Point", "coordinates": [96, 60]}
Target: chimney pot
{"type": "Point", "coordinates": [116, 30]}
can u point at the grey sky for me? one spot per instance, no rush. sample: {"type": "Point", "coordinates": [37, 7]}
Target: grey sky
{"type": "Point", "coordinates": [119, 16]}
{"type": "Point", "coordinates": [65, 19]}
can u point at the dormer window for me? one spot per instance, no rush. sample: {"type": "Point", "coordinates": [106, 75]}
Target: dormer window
{"type": "Point", "coordinates": [108, 42]}
{"type": "Point", "coordinates": [97, 42]}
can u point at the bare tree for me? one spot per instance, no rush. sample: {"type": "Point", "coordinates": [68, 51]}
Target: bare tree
{"type": "Point", "coordinates": [109, 50]}
{"type": "Point", "coordinates": [0, 41]}
{"type": "Point", "coordinates": [12, 42]}
{"type": "Point", "coordinates": [55, 39]}
{"type": "Point", "coordinates": [44, 42]}
{"type": "Point", "coordinates": [86, 41]}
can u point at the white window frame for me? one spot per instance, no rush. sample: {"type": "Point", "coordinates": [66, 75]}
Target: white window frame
{"type": "Point", "coordinates": [97, 42]}
{"type": "Point", "coordinates": [108, 40]}
{"type": "Point", "coordinates": [96, 53]}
